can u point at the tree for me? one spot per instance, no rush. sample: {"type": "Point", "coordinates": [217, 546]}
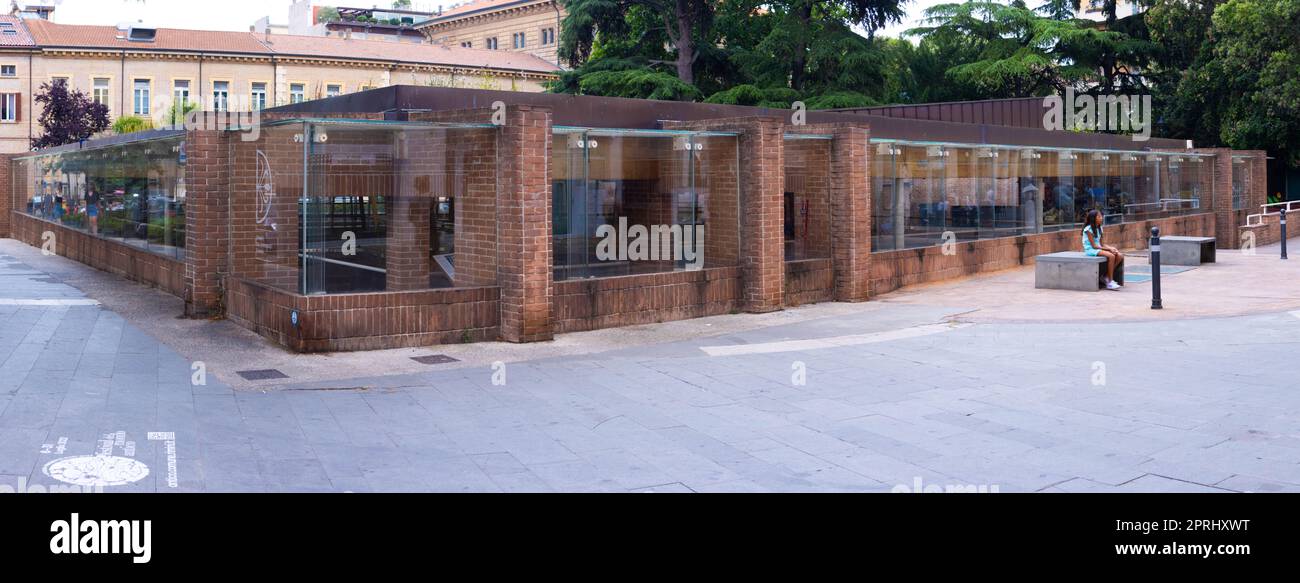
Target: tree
{"type": "Point", "coordinates": [130, 124]}
{"type": "Point", "coordinates": [682, 22]}
{"type": "Point", "coordinates": [806, 18]}
{"type": "Point", "coordinates": [328, 14]}
{"type": "Point", "coordinates": [401, 4]}
{"type": "Point", "coordinates": [1243, 89]}
{"type": "Point", "coordinates": [1008, 50]}
{"type": "Point", "coordinates": [68, 116]}
{"type": "Point", "coordinates": [618, 77]}
{"type": "Point", "coordinates": [175, 116]}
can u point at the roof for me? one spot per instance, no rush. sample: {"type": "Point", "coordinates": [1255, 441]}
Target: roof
{"type": "Point", "coordinates": [474, 7]}
{"type": "Point", "coordinates": [50, 34]}
{"type": "Point", "coordinates": [53, 35]}
{"type": "Point", "coordinates": [20, 38]}
{"type": "Point", "coordinates": [429, 54]}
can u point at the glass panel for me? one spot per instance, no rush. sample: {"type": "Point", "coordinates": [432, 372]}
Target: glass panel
{"type": "Point", "coordinates": [1090, 184]}
{"type": "Point", "coordinates": [806, 205]}
{"type": "Point", "coordinates": [1059, 189]}
{"type": "Point", "coordinates": [364, 207]}
{"type": "Point", "coordinates": [969, 188]}
{"type": "Point", "coordinates": [884, 184]}
{"type": "Point", "coordinates": [715, 180]}
{"type": "Point", "coordinates": [569, 203]}
{"type": "Point", "coordinates": [627, 203]}
{"type": "Point", "coordinates": [133, 193]}
{"type": "Point", "coordinates": [1240, 182]}
{"type": "Point", "coordinates": [1027, 165]}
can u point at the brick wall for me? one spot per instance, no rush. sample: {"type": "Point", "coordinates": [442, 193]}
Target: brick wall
{"type": "Point", "coordinates": [607, 302]}
{"type": "Point", "coordinates": [1270, 230]}
{"type": "Point", "coordinates": [808, 281]}
{"type": "Point", "coordinates": [8, 194]}
{"type": "Point", "coordinates": [121, 259]}
{"type": "Point", "coordinates": [895, 269]}
{"type": "Point", "coordinates": [367, 321]}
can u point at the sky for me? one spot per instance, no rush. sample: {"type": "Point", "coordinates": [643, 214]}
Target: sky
{"type": "Point", "coordinates": [238, 15]}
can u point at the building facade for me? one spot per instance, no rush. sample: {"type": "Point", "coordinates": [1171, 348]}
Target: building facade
{"type": "Point", "coordinates": [144, 71]}
{"type": "Point", "coordinates": [525, 26]}
{"type": "Point", "coordinates": [408, 216]}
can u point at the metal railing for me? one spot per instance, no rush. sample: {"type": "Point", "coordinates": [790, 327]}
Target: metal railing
{"type": "Point", "coordinates": [1257, 219]}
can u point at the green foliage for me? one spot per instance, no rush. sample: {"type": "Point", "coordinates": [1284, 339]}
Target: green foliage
{"type": "Point", "coordinates": [175, 116]}
{"type": "Point", "coordinates": [130, 124]}
{"type": "Point", "coordinates": [615, 77]}
{"type": "Point", "coordinates": [838, 99]}
{"type": "Point", "coordinates": [327, 14]}
{"type": "Point", "coordinates": [1244, 87]}
{"type": "Point", "coordinates": [640, 83]}
{"type": "Point", "coordinates": [776, 97]}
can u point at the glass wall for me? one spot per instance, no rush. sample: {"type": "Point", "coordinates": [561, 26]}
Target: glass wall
{"type": "Point", "coordinates": [806, 204]}
{"type": "Point", "coordinates": [633, 202]}
{"type": "Point", "coordinates": [336, 206]}
{"type": "Point", "coordinates": [132, 192]}
{"type": "Point", "coordinates": [922, 193]}
{"type": "Point", "coordinates": [1241, 171]}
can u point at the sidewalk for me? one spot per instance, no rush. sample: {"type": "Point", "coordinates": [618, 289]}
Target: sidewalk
{"type": "Point", "coordinates": [876, 397]}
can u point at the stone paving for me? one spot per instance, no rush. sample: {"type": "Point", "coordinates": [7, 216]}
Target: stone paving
{"type": "Point", "coordinates": [875, 400]}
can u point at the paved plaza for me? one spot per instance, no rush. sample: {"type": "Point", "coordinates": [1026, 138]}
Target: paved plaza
{"type": "Point", "coordinates": [956, 385]}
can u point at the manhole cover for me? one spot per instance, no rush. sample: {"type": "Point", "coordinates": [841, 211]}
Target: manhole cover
{"type": "Point", "coordinates": [96, 470]}
{"type": "Point", "coordinates": [261, 375]}
{"type": "Point", "coordinates": [434, 359]}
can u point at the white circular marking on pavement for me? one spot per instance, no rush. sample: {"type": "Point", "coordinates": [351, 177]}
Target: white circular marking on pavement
{"type": "Point", "coordinates": [96, 470]}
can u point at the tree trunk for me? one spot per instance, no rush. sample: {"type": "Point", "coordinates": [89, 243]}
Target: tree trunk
{"type": "Point", "coordinates": [685, 43]}
{"type": "Point", "coordinates": [799, 62]}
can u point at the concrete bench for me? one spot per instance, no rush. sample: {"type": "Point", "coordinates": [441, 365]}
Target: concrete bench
{"type": "Point", "coordinates": [1072, 270]}
{"type": "Point", "coordinates": [1176, 250]}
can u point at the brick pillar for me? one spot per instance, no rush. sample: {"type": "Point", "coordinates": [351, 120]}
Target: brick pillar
{"type": "Point", "coordinates": [1225, 219]}
{"type": "Point", "coordinates": [523, 212]}
{"type": "Point", "coordinates": [7, 194]}
{"type": "Point", "coordinates": [207, 225]}
{"type": "Point", "coordinates": [1258, 193]}
{"type": "Point", "coordinates": [762, 190]}
{"type": "Point", "coordinates": [851, 212]}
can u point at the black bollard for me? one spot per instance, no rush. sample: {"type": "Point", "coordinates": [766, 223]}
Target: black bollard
{"type": "Point", "coordinates": [1155, 268]}
{"type": "Point", "coordinates": [1282, 213]}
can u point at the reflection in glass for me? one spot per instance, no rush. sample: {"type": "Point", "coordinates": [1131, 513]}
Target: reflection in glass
{"type": "Point", "coordinates": [806, 205]}
{"type": "Point", "coordinates": [634, 202]}
{"type": "Point", "coordinates": [133, 192]}
{"type": "Point", "coordinates": [346, 207]}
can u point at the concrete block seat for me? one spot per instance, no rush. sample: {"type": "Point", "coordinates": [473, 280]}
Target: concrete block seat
{"type": "Point", "coordinates": [1175, 250]}
{"type": "Point", "coordinates": [1073, 270]}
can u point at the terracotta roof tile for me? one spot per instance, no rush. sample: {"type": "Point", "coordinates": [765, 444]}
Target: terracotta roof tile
{"type": "Point", "coordinates": [474, 6]}
{"type": "Point", "coordinates": [49, 34]}
{"type": "Point", "coordinates": [18, 38]}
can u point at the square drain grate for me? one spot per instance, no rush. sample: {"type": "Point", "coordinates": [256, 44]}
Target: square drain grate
{"type": "Point", "coordinates": [261, 375]}
{"type": "Point", "coordinates": [434, 359]}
